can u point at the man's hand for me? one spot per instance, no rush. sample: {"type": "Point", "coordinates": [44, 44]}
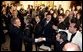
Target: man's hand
{"type": "Point", "coordinates": [54, 27]}
{"type": "Point", "coordinates": [40, 39]}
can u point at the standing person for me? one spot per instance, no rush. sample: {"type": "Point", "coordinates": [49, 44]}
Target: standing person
{"type": "Point", "coordinates": [15, 34]}
{"type": "Point", "coordinates": [47, 31]}
{"type": "Point", "coordinates": [2, 36]}
{"type": "Point", "coordinates": [60, 10]}
{"type": "Point", "coordinates": [37, 28]}
{"type": "Point", "coordinates": [61, 24]}
{"type": "Point", "coordinates": [28, 39]}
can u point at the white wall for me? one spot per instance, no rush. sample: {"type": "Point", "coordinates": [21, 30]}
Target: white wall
{"type": "Point", "coordinates": [65, 4]}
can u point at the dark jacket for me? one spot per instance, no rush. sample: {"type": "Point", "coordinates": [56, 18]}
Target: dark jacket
{"type": "Point", "coordinates": [47, 31]}
{"type": "Point", "coordinates": [27, 36]}
{"type": "Point", "coordinates": [2, 36]}
{"type": "Point", "coordinates": [15, 38]}
{"type": "Point", "coordinates": [62, 25]}
{"type": "Point", "coordinates": [37, 29]}
{"type": "Point", "coordinates": [58, 46]}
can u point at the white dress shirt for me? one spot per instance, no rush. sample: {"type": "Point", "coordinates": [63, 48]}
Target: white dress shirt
{"type": "Point", "coordinates": [77, 39]}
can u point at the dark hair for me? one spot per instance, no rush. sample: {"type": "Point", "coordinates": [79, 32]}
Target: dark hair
{"type": "Point", "coordinates": [74, 20]}
{"type": "Point", "coordinates": [67, 10]}
{"type": "Point", "coordinates": [61, 15]}
{"type": "Point", "coordinates": [79, 13]}
{"type": "Point", "coordinates": [48, 13]}
{"type": "Point", "coordinates": [13, 20]}
{"type": "Point", "coordinates": [63, 35]}
{"type": "Point", "coordinates": [37, 15]}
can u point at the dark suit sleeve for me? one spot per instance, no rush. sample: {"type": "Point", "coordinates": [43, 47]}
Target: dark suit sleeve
{"type": "Point", "coordinates": [2, 36]}
{"type": "Point", "coordinates": [48, 33]}
{"type": "Point", "coordinates": [27, 36]}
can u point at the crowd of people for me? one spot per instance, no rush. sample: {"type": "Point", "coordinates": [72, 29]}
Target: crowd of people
{"type": "Point", "coordinates": [50, 26]}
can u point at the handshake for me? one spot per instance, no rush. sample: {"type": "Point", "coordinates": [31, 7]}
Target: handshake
{"type": "Point", "coordinates": [40, 39]}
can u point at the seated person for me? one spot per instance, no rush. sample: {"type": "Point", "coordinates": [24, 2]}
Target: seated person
{"type": "Point", "coordinates": [61, 39]}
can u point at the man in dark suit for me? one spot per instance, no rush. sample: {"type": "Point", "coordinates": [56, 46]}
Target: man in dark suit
{"type": "Point", "coordinates": [2, 36]}
{"type": "Point", "coordinates": [37, 29]}
{"type": "Point", "coordinates": [47, 31]}
{"type": "Point", "coordinates": [37, 26]}
{"type": "Point", "coordinates": [31, 27]}
{"type": "Point", "coordinates": [28, 40]}
{"type": "Point", "coordinates": [61, 24]}
{"type": "Point", "coordinates": [15, 35]}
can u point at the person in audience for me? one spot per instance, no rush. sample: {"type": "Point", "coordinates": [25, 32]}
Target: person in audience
{"type": "Point", "coordinates": [61, 24]}
{"type": "Point", "coordinates": [55, 9]}
{"type": "Point", "coordinates": [79, 9]}
{"type": "Point", "coordinates": [71, 47]}
{"type": "Point", "coordinates": [47, 32]}
{"type": "Point", "coordinates": [37, 29]}
{"type": "Point", "coordinates": [74, 35]}
{"type": "Point", "coordinates": [67, 18]}
{"type": "Point", "coordinates": [2, 36]}
{"type": "Point", "coordinates": [79, 19]}
{"type": "Point", "coordinates": [61, 40]}
{"type": "Point", "coordinates": [28, 40]}
{"type": "Point", "coordinates": [80, 28]}
{"type": "Point", "coordinates": [73, 10]}
{"type": "Point", "coordinates": [37, 26]}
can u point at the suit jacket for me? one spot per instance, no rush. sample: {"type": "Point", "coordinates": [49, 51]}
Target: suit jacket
{"type": "Point", "coordinates": [47, 30]}
{"type": "Point", "coordinates": [15, 38]}
{"type": "Point", "coordinates": [58, 46]}
{"type": "Point", "coordinates": [27, 36]}
{"type": "Point", "coordinates": [2, 36]}
{"type": "Point", "coordinates": [37, 30]}
{"type": "Point", "coordinates": [67, 21]}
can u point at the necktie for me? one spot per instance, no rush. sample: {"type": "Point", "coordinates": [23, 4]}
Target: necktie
{"type": "Point", "coordinates": [72, 36]}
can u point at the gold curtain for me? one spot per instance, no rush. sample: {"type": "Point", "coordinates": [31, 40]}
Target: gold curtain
{"type": "Point", "coordinates": [46, 3]}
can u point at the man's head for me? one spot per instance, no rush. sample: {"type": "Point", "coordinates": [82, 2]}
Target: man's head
{"type": "Point", "coordinates": [78, 15]}
{"type": "Point", "coordinates": [78, 7]}
{"type": "Point", "coordinates": [73, 27]}
{"type": "Point", "coordinates": [14, 12]}
{"type": "Point", "coordinates": [16, 22]}
{"type": "Point", "coordinates": [67, 12]}
{"type": "Point", "coordinates": [61, 18]}
{"type": "Point", "coordinates": [54, 15]}
{"type": "Point", "coordinates": [48, 17]}
{"type": "Point", "coordinates": [51, 11]}
{"type": "Point", "coordinates": [61, 36]}
{"type": "Point", "coordinates": [71, 47]}
{"type": "Point", "coordinates": [73, 8]}
{"type": "Point", "coordinates": [37, 18]}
